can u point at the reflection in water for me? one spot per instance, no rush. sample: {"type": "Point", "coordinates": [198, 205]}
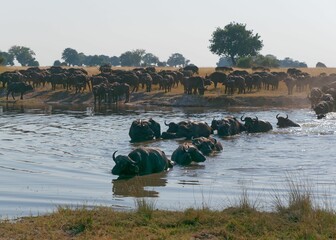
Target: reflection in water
{"type": "Point", "coordinates": [137, 186]}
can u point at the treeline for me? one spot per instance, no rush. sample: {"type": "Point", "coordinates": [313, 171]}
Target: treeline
{"type": "Point", "coordinates": [139, 58]}
{"type": "Point", "coordinates": [134, 58]}
{"type": "Point", "coordinates": [71, 57]}
{"type": "Point", "coordinates": [269, 61]}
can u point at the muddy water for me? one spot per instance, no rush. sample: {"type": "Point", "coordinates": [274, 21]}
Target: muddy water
{"type": "Point", "coordinates": [52, 157]}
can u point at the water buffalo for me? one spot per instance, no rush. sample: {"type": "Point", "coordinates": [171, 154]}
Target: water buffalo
{"type": "Point", "coordinates": [194, 85]}
{"type": "Point", "coordinates": [217, 77]}
{"type": "Point", "coordinates": [323, 107]}
{"type": "Point", "coordinates": [144, 130]}
{"type": "Point", "coordinates": [253, 125]}
{"type": "Point", "coordinates": [223, 68]}
{"type": "Point", "coordinates": [18, 87]}
{"type": "Point", "coordinates": [187, 129]}
{"type": "Point", "coordinates": [207, 145]}
{"type": "Point", "coordinates": [285, 122]}
{"type": "Point", "coordinates": [187, 153]}
{"type": "Point", "coordinates": [192, 68]}
{"type": "Point", "coordinates": [227, 126]}
{"type": "Point", "coordinates": [315, 96]}
{"type": "Point", "coordinates": [141, 161]}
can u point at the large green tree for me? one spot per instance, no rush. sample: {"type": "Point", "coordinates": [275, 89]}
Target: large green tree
{"type": "Point", "coordinates": [149, 59]}
{"type": "Point", "coordinates": [132, 58]}
{"type": "Point", "coordinates": [24, 55]}
{"type": "Point", "coordinates": [235, 41]}
{"type": "Point", "coordinates": [177, 60]}
{"type": "Point", "coordinates": [71, 57]}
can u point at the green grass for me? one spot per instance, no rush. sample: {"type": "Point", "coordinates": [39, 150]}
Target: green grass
{"type": "Point", "coordinates": [295, 216]}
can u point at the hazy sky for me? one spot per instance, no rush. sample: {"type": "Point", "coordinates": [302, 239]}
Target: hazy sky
{"type": "Point", "coordinates": [302, 30]}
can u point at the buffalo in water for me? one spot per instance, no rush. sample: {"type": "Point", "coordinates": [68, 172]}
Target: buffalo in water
{"type": "Point", "coordinates": [227, 126]}
{"type": "Point", "coordinates": [187, 153]}
{"type": "Point", "coordinates": [141, 161]}
{"type": "Point", "coordinates": [285, 122]}
{"type": "Point", "coordinates": [254, 125]}
{"type": "Point", "coordinates": [207, 145]}
{"type": "Point", "coordinates": [187, 129]}
{"type": "Point", "coordinates": [144, 130]}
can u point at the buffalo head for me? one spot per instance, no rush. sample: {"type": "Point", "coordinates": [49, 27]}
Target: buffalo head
{"type": "Point", "coordinates": [203, 144]}
{"type": "Point", "coordinates": [285, 122]}
{"type": "Point", "coordinates": [124, 166]}
{"type": "Point", "coordinates": [140, 131]}
{"type": "Point", "coordinates": [172, 127]}
{"type": "Point", "coordinates": [187, 153]}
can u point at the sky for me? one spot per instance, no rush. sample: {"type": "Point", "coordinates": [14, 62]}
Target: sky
{"type": "Point", "coordinates": [302, 30]}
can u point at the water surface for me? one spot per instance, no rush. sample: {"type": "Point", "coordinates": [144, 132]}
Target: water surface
{"type": "Point", "coordinates": [53, 157]}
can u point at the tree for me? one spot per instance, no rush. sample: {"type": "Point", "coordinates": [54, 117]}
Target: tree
{"type": "Point", "coordinates": [33, 63]}
{"type": "Point", "coordinates": [162, 64]}
{"type": "Point", "coordinates": [290, 63]}
{"type": "Point", "coordinates": [132, 58]}
{"type": "Point", "coordinates": [245, 62]}
{"type": "Point", "coordinates": [320, 65]}
{"type": "Point", "coordinates": [57, 63]}
{"type": "Point", "coordinates": [23, 55]}
{"type": "Point", "coordinates": [70, 56]}
{"type": "Point", "coordinates": [235, 41]}
{"type": "Point", "coordinates": [150, 59]}
{"type": "Point", "coordinates": [224, 62]}
{"type": "Point", "coordinates": [266, 61]}
{"type": "Point", "coordinates": [8, 59]}
{"type": "Point", "coordinates": [115, 61]}
{"type": "Point", "coordinates": [177, 60]}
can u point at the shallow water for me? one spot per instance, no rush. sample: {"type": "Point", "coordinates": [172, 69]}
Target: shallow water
{"type": "Point", "coordinates": [52, 157]}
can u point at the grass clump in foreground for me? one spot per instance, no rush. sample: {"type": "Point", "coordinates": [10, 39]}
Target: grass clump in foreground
{"type": "Point", "coordinates": [295, 217]}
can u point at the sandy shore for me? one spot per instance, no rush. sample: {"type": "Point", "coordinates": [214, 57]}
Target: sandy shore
{"type": "Point", "coordinates": [45, 96]}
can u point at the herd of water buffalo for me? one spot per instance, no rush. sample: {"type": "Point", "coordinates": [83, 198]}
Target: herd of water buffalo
{"type": "Point", "coordinates": [147, 160]}
{"type": "Point", "coordinates": [114, 85]}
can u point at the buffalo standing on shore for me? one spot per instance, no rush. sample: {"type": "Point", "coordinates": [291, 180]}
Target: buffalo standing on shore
{"type": "Point", "coordinates": [18, 87]}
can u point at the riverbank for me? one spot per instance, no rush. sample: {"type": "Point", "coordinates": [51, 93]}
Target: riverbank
{"type": "Point", "coordinates": [300, 220]}
{"type": "Point", "coordinates": [214, 98]}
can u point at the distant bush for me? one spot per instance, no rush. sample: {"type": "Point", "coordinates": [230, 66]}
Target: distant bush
{"type": "Point", "coordinates": [320, 65]}
{"type": "Point", "coordinates": [245, 62]}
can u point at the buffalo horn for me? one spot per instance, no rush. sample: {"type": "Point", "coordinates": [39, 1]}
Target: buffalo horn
{"type": "Point", "coordinates": [166, 123]}
{"type": "Point", "coordinates": [113, 156]}
{"type": "Point", "coordinates": [287, 116]}
{"type": "Point", "coordinates": [277, 116]}
{"type": "Point", "coordinates": [256, 118]}
{"type": "Point", "coordinates": [241, 118]}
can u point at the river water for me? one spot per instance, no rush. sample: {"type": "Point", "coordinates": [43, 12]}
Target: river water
{"type": "Point", "coordinates": [52, 157]}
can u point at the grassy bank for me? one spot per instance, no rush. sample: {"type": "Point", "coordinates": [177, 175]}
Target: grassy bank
{"type": "Point", "coordinates": [294, 217]}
